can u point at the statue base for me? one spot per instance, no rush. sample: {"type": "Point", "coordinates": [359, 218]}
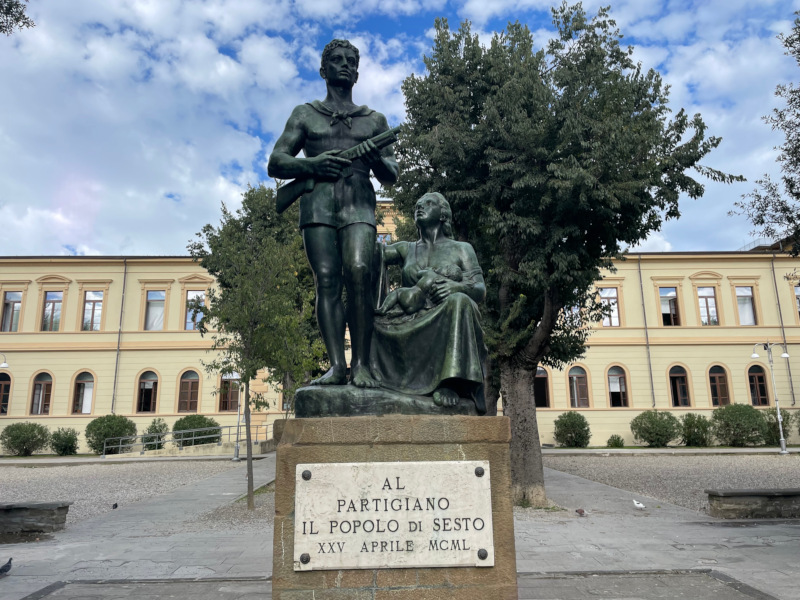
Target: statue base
{"type": "Point", "coordinates": [351, 401]}
{"type": "Point", "coordinates": [393, 439]}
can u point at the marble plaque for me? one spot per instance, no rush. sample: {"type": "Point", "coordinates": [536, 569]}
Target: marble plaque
{"type": "Point", "coordinates": [393, 515]}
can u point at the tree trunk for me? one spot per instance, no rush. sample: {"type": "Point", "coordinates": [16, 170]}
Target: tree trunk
{"type": "Point", "coordinates": [527, 473]}
{"type": "Point", "coordinates": [490, 392]}
{"type": "Point", "coordinates": [251, 503]}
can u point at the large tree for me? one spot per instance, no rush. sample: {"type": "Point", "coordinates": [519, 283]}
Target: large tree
{"type": "Point", "coordinates": [774, 206]}
{"type": "Point", "coordinates": [12, 16]}
{"type": "Point", "coordinates": [260, 312]}
{"type": "Point", "coordinates": [553, 161]}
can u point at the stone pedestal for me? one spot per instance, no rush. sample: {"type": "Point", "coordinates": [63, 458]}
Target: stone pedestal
{"type": "Point", "coordinates": [395, 439]}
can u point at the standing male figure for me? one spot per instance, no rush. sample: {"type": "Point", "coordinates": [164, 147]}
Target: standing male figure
{"type": "Point", "coordinates": [337, 218]}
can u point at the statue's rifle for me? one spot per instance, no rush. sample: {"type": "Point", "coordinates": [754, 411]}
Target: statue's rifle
{"type": "Point", "coordinates": [289, 192]}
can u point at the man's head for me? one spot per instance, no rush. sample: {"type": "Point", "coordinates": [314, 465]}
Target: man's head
{"type": "Point", "coordinates": [336, 54]}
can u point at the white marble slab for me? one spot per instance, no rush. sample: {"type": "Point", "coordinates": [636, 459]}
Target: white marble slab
{"type": "Point", "coordinates": [393, 515]}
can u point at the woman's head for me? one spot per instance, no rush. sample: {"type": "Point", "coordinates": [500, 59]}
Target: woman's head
{"type": "Point", "coordinates": [437, 202]}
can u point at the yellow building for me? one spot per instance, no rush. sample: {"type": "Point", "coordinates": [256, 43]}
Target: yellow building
{"type": "Point", "coordinates": [680, 338]}
{"type": "Point", "coordinates": [88, 336]}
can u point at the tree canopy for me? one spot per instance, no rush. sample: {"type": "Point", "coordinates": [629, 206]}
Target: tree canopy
{"type": "Point", "coordinates": [554, 160]}
{"type": "Point", "coordinates": [774, 206]}
{"type": "Point", "coordinates": [12, 16]}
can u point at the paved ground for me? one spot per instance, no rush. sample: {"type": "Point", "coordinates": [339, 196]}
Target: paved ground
{"type": "Point", "coordinates": [667, 551]}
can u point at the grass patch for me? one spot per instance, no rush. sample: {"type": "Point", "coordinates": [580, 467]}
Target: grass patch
{"type": "Point", "coordinates": [264, 489]}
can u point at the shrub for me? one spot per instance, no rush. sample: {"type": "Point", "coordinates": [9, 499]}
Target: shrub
{"type": "Point", "coordinates": [195, 422]}
{"type": "Point", "coordinates": [23, 439]}
{"type": "Point", "coordinates": [654, 428]}
{"type": "Point", "coordinates": [110, 426]}
{"type": "Point", "coordinates": [572, 430]}
{"type": "Point", "coordinates": [615, 441]}
{"type": "Point", "coordinates": [158, 427]}
{"type": "Point", "coordinates": [738, 425]}
{"type": "Point", "coordinates": [772, 435]}
{"type": "Point", "coordinates": [64, 441]}
{"type": "Point", "coordinates": [696, 430]}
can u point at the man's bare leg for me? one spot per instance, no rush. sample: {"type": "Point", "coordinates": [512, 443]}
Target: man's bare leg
{"type": "Point", "coordinates": [357, 242]}
{"type": "Point", "coordinates": [322, 250]}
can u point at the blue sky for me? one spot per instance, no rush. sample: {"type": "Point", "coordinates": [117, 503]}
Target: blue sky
{"type": "Point", "coordinates": [124, 124]}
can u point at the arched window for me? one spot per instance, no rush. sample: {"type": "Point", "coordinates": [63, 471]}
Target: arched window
{"type": "Point", "coordinates": [679, 386]}
{"type": "Point", "coordinates": [540, 396]}
{"type": "Point", "coordinates": [148, 392]}
{"type": "Point", "coordinates": [758, 386]}
{"type": "Point", "coordinates": [190, 387]}
{"type": "Point", "coordinates": [229, 393]}
{"type": "Point", "coordinates": [718, 380]}
{"type": "Point", "coordinates": [578, 388]}
{"type": "Point", "coordinates": [5, 392]}
{"type": "Point", "coordinates": [42, 390]}
{"type": "Point", "coordinates": [617, 389]}
{"type": "Point", "coordinates": [82, 395]}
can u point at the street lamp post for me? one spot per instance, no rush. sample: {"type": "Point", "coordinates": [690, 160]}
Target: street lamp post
{"type": "Point", "coordinates": [768, 347]}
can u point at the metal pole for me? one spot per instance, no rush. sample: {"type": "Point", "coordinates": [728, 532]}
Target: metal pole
{"type": "Point", "coordinates": [768, 347]}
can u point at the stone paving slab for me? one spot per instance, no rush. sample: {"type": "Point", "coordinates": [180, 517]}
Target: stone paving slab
{"type": "Point", "coordinates": [616, 586]}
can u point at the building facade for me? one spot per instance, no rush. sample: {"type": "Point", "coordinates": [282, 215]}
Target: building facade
{"type": "Point", "coordinates": [89, 336]}
{"type": "Point", "coordinates": [680, 337]}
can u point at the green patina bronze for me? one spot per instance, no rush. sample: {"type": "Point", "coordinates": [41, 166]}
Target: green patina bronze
{"type": "Point", "coordinates": [422, 350]}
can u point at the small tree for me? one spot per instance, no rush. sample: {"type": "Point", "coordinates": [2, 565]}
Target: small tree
{"type": "Point", "coordinates": [210, 435]}
{"type": "Point", "coordinates": [109, 426]}
{"type": "Point", "coordinates": [64, 441]}
{"type": "Point", "coordinates": [572, 430]}
{"type": "Point", "coordinates": [260, 314]}
{"type": "Point", "coordinates": [655, 428]}
{"type": "Point", "coordinates": [158, 427]}
{"type": "Point", "coordinates": [738, 425]}
{"type": "Point", "coordinates": [23, 439]}
{"type": "Point", "coordinates": [772, 434]}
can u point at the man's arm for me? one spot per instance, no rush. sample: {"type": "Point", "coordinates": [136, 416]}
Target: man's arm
{"type": "Point", "coordinates": [283, 162]}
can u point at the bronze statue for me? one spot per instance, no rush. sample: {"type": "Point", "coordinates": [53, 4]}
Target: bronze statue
{"type": "Point", "coordinates": [337, 208]}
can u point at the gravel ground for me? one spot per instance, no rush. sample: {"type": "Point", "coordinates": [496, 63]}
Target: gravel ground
{"type": "Point", "coordinates": [95, 488]}
{"type": "Point", "coordinates": [682, 480]}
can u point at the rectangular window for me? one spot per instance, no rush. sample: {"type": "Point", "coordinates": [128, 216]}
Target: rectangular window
{"type": "Point", "coordinates": [41, 398]}
{"type": "Point", "coordinates": [669, 306]}
{"type": "Point", "coordinates": [148, 389]}
{"type": "Point", "coordinates": [578, 392]}
{"type": "Point", "coordinates": [746, 305]}
{"type": "Point", "coordinates": [154, 313]}
{"type": "Point", "coordinates": [680, 390]}
{"type": "Point", "coordinates": [229, 395]}
{"type": "Point", "coordinates": [12, 305]}
{"type": "Point", "coordinates": [708, 306]}
{"type": "Point", "coordinates": [187, 400]}
{"type": "Point", "coordinates": [796, 299]}
{"type": "Point", "coordinates": [192, 317]}
{"type": "Point", "coordinates": [82, 405]}
{"type": "Point", "coordinates": [609, 299]}
{"type": "Point", "coordinates": [758, 389]}
{"type": "Point", "coordinates": [719, 389]}
{"type": "Point", "coordinates": [51, 316]}
{"type": "Point", "coordinates": [92, 311]}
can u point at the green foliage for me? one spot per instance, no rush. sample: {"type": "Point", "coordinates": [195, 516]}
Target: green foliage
{"type": "Point", "coordinates": [774, 207]}
{"type": "Point", "coordinates": [12, 16]}
{"type": "Point", "coordinates": [553, 161]}
{"type": "Point", "coordinates": [738, 425]}
{"type": "Point", "coordinates": [110, 426]}
{"type": "Point", "coordinates": [64, 441]}
{"type": "Point", "coordinates": [695, 430]}
{"type": "Point", "coordinates": [158, 427]}
{"type": "Point", "coordinates": [655, 428]}
{"type": "Point", "coordinates": [572, 430]}
{"type": "Point", "coordinates": [198, 437]}
{"type": "Point", "coordinates": [772, 436]}
{"type": "Point", "coordinates": [615, 441]}
{"type": "Point", "coordinates": [260, 314]}
{"type": "Point", "coordinates": [23, 439]}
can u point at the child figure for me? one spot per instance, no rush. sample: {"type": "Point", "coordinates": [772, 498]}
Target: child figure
{"type": "Point", "coordinates": [410, 300]}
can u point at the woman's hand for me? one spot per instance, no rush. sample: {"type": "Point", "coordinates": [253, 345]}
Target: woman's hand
{"type": "Point", "coordinates": [443, 287]}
